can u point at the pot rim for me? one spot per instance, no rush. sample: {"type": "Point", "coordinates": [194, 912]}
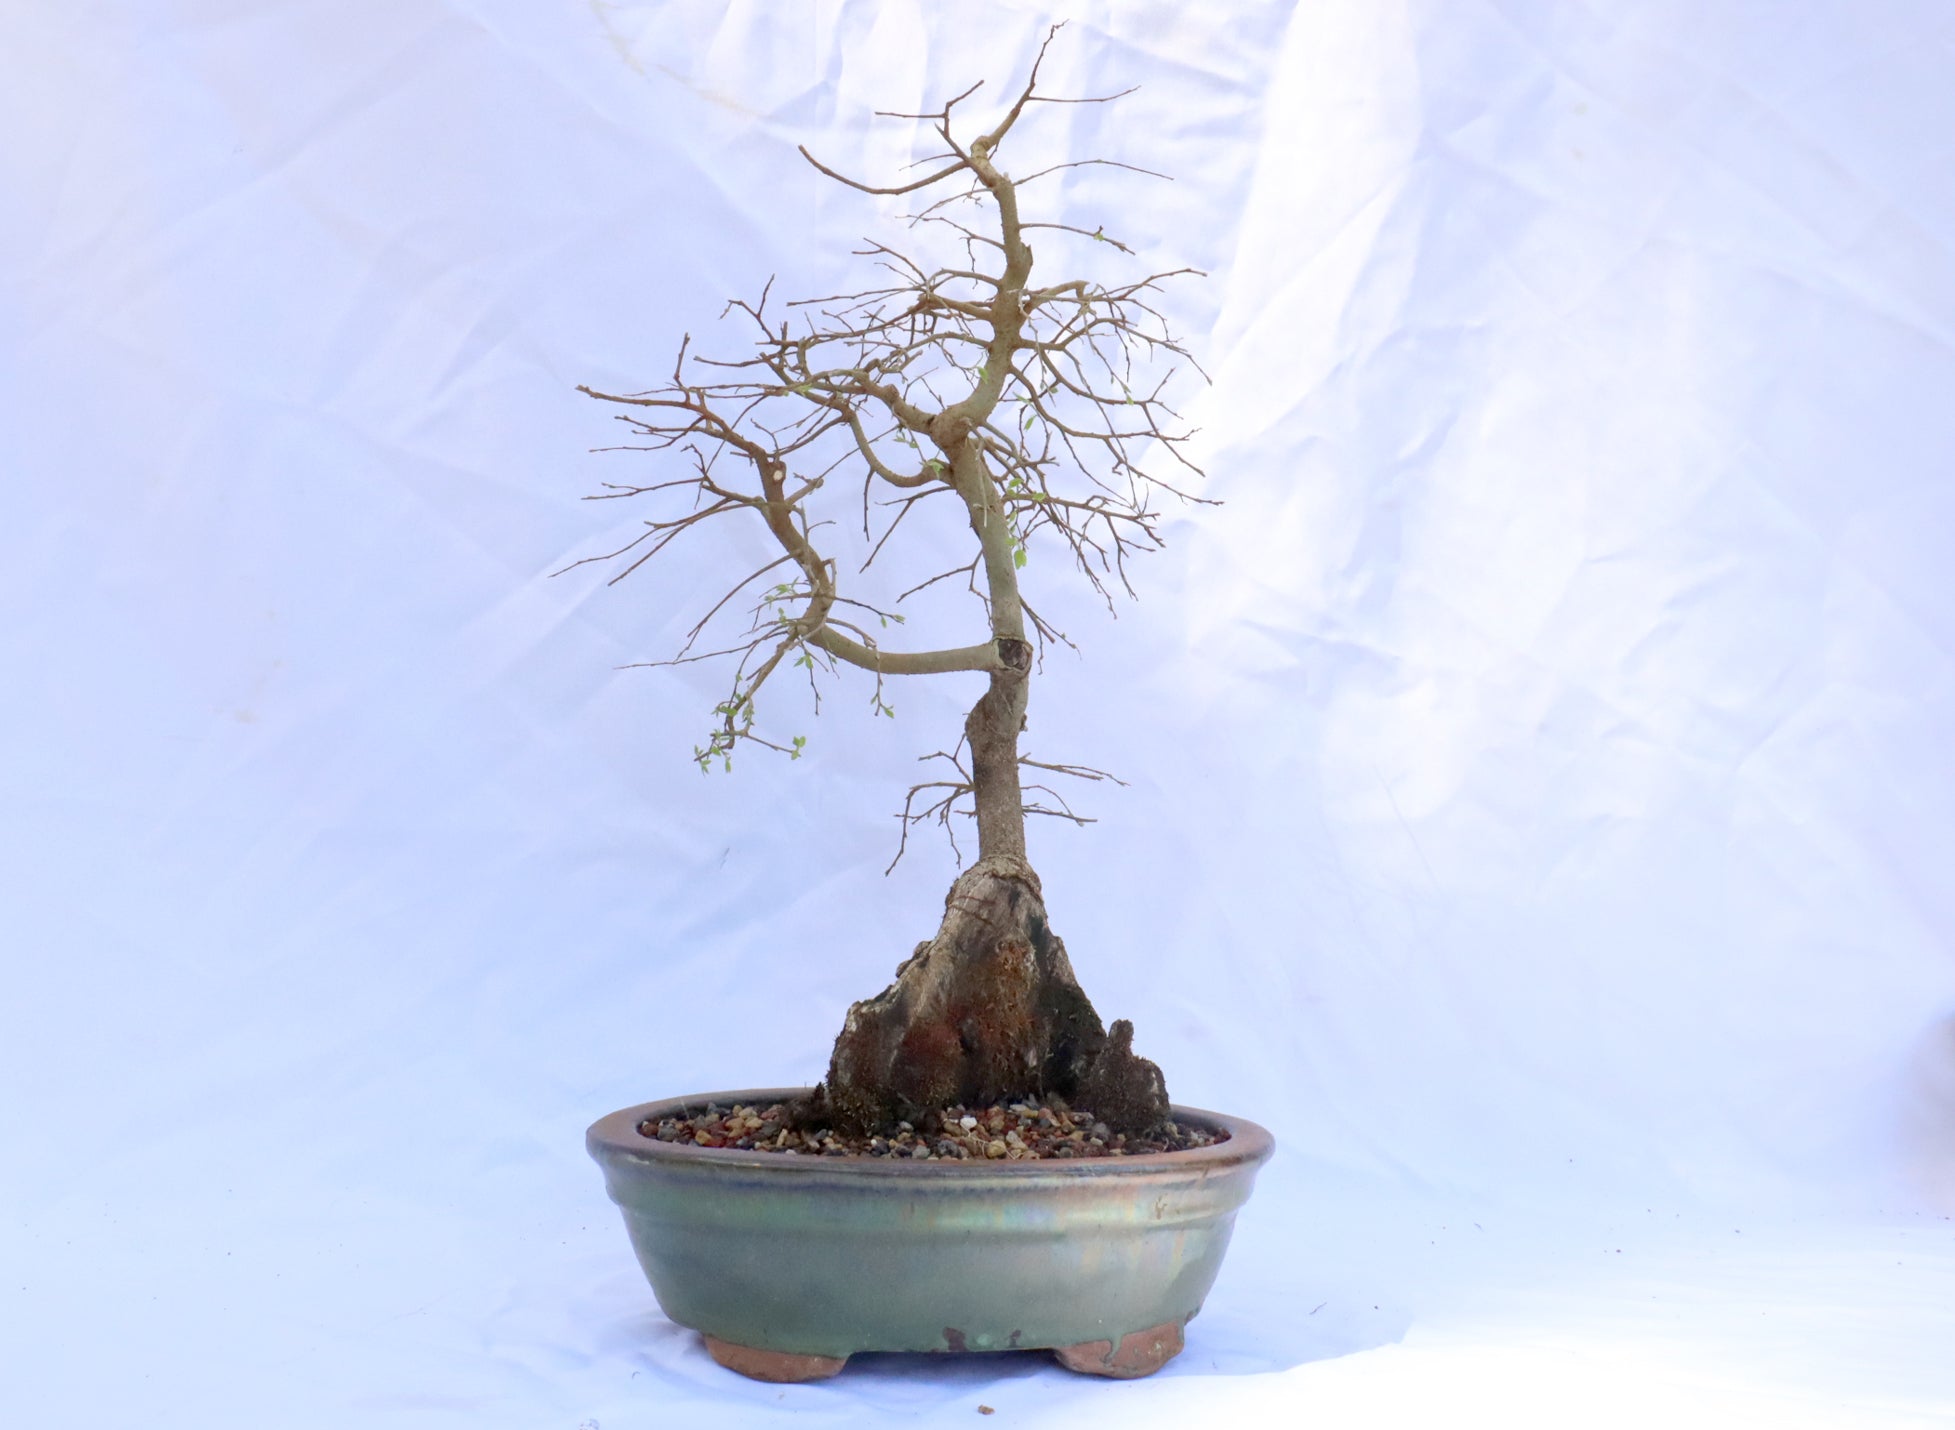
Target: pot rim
{"type": "Point", "coordinates": [616, 1136]}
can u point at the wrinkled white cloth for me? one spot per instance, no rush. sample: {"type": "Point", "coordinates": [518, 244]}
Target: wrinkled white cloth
{"type": "Point", "coordinates": [1538, 798]}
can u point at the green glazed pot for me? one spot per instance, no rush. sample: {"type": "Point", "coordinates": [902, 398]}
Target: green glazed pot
{"type": "Point", "coordinates": [790, 1264]}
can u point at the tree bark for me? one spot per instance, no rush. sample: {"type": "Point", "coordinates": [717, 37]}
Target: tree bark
{"type": "Point", "coordinates": [989, 1011]}
{"type": "Point", "coordinates": [991, 730]}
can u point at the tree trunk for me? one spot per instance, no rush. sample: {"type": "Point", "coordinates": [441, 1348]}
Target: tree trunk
{"type": "Point", "coordinates": [989, 1010]}
{"type": "Point", "coordinates": [991, 730]}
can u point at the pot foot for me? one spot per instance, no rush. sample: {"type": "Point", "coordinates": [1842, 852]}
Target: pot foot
{"type": "Point", "coordinates": [1139, 1353]}
{"type": "Point", "coordinates": [780, 1367]}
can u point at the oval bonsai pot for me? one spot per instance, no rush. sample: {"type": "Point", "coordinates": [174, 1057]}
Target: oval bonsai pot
{"type": "Point", "coordinates": [788, 1265]}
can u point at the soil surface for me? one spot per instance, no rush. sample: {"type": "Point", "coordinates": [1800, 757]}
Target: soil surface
{"type": "Point", "coordinates": [1012, 1132]}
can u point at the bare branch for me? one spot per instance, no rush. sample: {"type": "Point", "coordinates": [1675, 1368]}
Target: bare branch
{"type": "Point", "coordinates": [916, 662]}
{"type": "Point", "coordinates": [1045, 410]}
{"type": "Point", "coordinates": [936, 113]}
{"type": "Point", "coordinates": [996, 136]}
{"type": "Point", "coordinates": [1095, 234]}
{"type": "Point", "coordinates": [1092, 163]}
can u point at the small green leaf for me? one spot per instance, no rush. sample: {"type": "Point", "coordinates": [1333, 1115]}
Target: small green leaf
{"type": "Point", "coordinates": [1018, 557]}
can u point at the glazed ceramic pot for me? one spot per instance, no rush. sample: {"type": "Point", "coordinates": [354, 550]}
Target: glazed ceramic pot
{"type": "Point", "coordinates": [790, 1264]}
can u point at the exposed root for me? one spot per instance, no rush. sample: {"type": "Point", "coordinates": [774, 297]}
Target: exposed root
{"type": "Point", "coordinates": [987, 1012]}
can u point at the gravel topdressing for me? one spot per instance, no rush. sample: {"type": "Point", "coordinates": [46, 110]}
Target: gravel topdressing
{"type": "Point", "coordinates": [1012, 1132]}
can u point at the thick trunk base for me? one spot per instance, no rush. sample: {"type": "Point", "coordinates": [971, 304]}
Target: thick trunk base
{"type": "Point", "coordinates": [988, 1011]}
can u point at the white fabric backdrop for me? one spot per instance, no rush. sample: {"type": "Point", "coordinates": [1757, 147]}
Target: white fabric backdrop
{"type": "Point", "coordinates": [1540, 774]}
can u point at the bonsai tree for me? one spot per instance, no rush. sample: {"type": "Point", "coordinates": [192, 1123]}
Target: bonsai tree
{"type": "Point", "coordinates": [1038, 408]}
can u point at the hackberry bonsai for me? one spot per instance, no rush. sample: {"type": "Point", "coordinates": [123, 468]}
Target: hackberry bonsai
{"type": "Point", "coordinates": [1037, 406]}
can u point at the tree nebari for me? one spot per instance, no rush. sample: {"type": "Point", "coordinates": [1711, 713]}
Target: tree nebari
{"type": "Point", "coordinates": [988, 1011]}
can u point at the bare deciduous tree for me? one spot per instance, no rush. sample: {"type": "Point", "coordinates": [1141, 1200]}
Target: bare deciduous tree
{"type": "Point", "coordinates": [1041, 411]}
